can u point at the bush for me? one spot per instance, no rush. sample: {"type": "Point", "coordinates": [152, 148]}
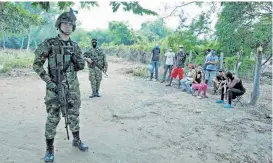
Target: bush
{"type": "Point", "coordinates": [10, 59]}
{"type": "Point", "coordinates": [139, 71]}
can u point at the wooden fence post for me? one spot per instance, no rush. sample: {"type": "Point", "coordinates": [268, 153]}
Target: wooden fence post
{"type": "Point", "coordinates": [190, 57]}
{"type": "Point", "coordinates": [221, 60]}
{"type": "Point", "coordinates": [256, 82]}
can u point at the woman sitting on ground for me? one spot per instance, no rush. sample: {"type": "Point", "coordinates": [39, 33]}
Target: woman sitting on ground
{"type": "Point", "coordinates": [186, 82]}
{"type": "Point", "coordinates": [198, 84]}
{"type": "Point", "coordinates": [235, 88]}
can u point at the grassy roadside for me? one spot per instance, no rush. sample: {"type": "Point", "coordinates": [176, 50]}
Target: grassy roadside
{"type": "Point", "coordinates": [14, 59]}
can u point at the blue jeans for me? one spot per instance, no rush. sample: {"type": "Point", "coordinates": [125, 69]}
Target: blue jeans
{"type": "Point", "coordinates": [155, 65]}
{"type": "Point", "coordinates": [186, 85]}
{"type": "Point", "coordinates": [209, 76]}
{"type": "Point", "coordinates": [166, 68]}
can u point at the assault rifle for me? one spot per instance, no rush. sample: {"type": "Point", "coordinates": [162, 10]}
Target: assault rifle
{"type": "Point", "coordinates": [62, 89]}
{"type": "Point", "coordinates": [99, 66]}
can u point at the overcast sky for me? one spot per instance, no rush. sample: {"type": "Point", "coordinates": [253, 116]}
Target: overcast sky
{"type": "Point", "coordinates": [99, 17]}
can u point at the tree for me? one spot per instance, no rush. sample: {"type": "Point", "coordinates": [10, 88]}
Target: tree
{"type": "Point", "coordinates": [127, 6]}
{"type": "Point", "coordinates": [101, 35]}
{"type": "Point", "coordinates": [15, 19]}
{"type": "Point", "coordinates": [120, 33]}
{"type": "Point", "coordinates": [154, 30]}
{"type": "Point", "coordinates": [200, 26]}
{"type": "Point", "coordinates": [245, 26]}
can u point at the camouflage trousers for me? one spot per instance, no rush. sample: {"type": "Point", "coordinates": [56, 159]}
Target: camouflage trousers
{"type": "Point", "coordinates": [95, 77]}
{"type": "Point", "coordinates": [54, 114]}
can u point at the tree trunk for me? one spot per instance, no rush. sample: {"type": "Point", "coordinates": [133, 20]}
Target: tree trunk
{"type": "Point", "coordinates": [22, 43]}
{"type": "Point", "coordinates": [221, 60]}
{"type": "Point", "coordinates": [4, 43]}
{"type": "Point", "coordinates": [35, 44]}
{"type": "Point", "coordinates": [256, 90]}
{"type": "Point", "coordinates": [28, 39]}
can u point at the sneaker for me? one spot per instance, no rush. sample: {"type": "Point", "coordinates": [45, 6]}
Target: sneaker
{"type": "Point", "coordinates": [200, 97]}
{"type": "Point", "coordinates": [220, 101]}
{"type": "Point", "coordinates": [227, 106]}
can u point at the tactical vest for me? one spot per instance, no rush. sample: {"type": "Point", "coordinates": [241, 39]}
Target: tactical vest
{"type": "Point", "coordinates": [96, 55]}
{"type": "Point", "coordinates": [60, 53]}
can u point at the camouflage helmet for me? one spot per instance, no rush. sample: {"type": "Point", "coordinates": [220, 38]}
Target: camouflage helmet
{"type": "Point", "coordinates": [65, 17]}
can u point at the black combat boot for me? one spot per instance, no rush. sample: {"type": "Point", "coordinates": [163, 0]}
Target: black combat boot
{"type": "Point", "coordinates": [49, 156]}
{"type": "Point", "coordinates": [78, 143]}
{"type": "Point", "coordinates": [93, 94]}
{"type": "Point", "coordinates": [97, 93]}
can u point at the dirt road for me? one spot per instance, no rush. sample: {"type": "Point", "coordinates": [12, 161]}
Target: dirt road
{"type": "Point", "coordinates": [135, 121]}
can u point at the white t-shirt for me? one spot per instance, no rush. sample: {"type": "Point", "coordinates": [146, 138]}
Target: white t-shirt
{"type": "Point", "coordinates": [170, 58]}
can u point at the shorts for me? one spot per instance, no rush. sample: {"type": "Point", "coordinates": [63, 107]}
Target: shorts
{"type": "Point", "coordinates": [178, 71]}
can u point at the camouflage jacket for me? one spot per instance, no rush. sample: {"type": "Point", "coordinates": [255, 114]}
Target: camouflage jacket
{"type": "Point", "coordinates": [96, 55]}
{"type": "Point", "coordinates": [48, 50]}
{"type": "Point", "coordinates": [73, 61]}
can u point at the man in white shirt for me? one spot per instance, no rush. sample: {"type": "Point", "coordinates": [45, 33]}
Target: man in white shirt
{"type": "Point", "coordinates": [169, 57]}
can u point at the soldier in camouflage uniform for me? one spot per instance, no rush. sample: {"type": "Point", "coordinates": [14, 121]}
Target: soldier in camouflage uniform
{"type": "Point", "coordinates": [94, 56]}
{"type": "Point", "coordinates": [74, 61]}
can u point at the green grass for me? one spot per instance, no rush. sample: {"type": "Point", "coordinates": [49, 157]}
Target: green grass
{"type": "Point", "coordinates": [10, 59]}
{"type": "Point", "coordinates": [140, 71]}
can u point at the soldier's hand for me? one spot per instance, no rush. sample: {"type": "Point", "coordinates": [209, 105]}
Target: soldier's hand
{"type": "Point", "coordinates": [74, 58]}
{"type": "Point", "coordinates": [89, 60]}
{"type": "Point", "coordinates": [104, 69]}
{"type": "Point", "coordinates": [51, 86]}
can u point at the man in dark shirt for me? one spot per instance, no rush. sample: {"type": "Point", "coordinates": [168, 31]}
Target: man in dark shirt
{"type": "Point", "coordinates": [179, 62]}
{"type": "Point", "coordinates": [217, 81]}
{"type": "Point", "coordinates": [155, 62]}
{"type": "Point", "coordinates": [235, 88]}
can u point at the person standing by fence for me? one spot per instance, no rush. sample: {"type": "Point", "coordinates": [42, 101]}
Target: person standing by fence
{"type": "Point", "coordinates": [178, 70]}
{"type": "Point", "coordinates": [210, 67]}
{"type": "Point", "coordinates": [168, 64]}
{"type": "Point", "coordinates": [155, 62]}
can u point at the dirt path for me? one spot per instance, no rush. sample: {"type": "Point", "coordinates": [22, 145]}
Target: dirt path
{"type": "Point", "coordinates": [134, 121]}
